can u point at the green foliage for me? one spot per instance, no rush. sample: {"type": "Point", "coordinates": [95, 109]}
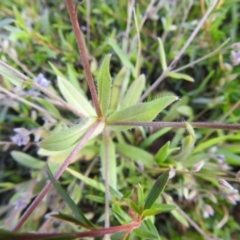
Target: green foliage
{"type": "Point", "coordinates": [37, 37]}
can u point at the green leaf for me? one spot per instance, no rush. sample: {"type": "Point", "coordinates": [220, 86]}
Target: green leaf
{"type": "Point", "coordinates": [157, 210]}
{"type": "Point", "coordinates": [72, 95]}
{"type": "Point", "coordinates": [180, 76]}
{"type": "Point", "coordinates": [75, 210]}
{"type": "Point", "coordinates": [180, 218]}
{"type": "Point", "coordinates": [73, 77]}
{"type": "Point", "coordinates": [47, 105]}
{"type": "Point", "coordinates": [117, 89]}
{"type": "Point", "coordinates": [186, 148]}
{"type": "Point", "coordinates": [68, 137]}
{"type": "Point", "coordinates": [187, 144]}
{"type": "Point", "coordinates": [12, 75]}
{"type": "Point", "coordinates": [104, 84]}
{"type": "Point", "coordinates": [89, 181]}
{"type": "Point", "coordinates": [67, 218]}
{"type": "Point", "coordinates": [162, 55]}
{"type": "Point", "coordinates": [164, 152]}
{"type": "Point", "coordinates": [75, 98]}
{"type": "Point", "coordinates": [124, 59]}
{"type": "Point", "coordinates": [142, 112]}
{"type": "Point", "coordinates": [140, 198]}
{"type": "Point", "coordinates": [144, 234]}
{"type": "Point", "coordinates": [173, 110]}
{"type": "Point", "coordinates": [149, 140]}
{"type": "Point", "coordinates": [134, 92]}
{"type": "Point", "coordinates": [108, 154]}
{"type": "Point", "coordinates": [27, 160]}
{"type": "Point", "coordinates": [147, 230]}
{"type": "Point", "coordinates": [156, 190]}
{"type": "Point", "coordinates": [133, 205]}
{"type": "Point", "coordinates": [135, 154]}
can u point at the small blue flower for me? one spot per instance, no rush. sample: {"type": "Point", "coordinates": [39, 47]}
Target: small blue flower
{"type": "Point", "coordinates": [41, 80]}
{"type": "Point", "coordinates": [22, 136]}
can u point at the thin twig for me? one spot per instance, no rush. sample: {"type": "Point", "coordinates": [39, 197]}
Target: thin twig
{"type": "Point", "coordinates": [93, 233]}
{"type": "Point", "coordinates": [40, 109]}
{"type": "Point", "coordinates": [82, 51]}
{"type": "Point", "coordinates": [59, 172]}
{"type": "Point", "coordinates": [179, 125]}
{"type": "Point", "coordinates": [180, 53]}
{"type": "Point", "coordinates": [42, 89]}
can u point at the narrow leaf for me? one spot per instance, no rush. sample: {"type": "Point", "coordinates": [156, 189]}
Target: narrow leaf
{"type": "Point", "coordinates": [108, 153]}
{"type": "Point", "coordinates": [134, 92]}
{"type": "Point", "coordinates": [135, 153]}
{"type": "Point", "coordinates": [180, 218]}
{"type": "Point", "coordinates": [164, 152]}
{"type": "Point", "coordinates": [142, 112]}
{"type": "Point", "coordinates": [180, 76]}
{"type": "Point", "coordinates": [187, 144]}
{"type": "Point", "coordinates": [27, 160]}
{"type": "Point", "coordinates": [104, 84]}
{"type": "Point", "coordinates": [75, 210]}
{"type": "Point", "coordinates": [12, 75]}
{"type": "Point", "coordinates": [140, 196]}
{"type": "Point", "coordinates": [124, 59]}
{"type": "Point", "coordinates": [162, 55]}
{"type": "Point", "coordinates": [72, 95]}
{"type": "Point", "coordinates": [89, 181]}
{"type": "Point", "coordinates": [144, 234]}
{"type": "Point", "coordinates": [156, 190]}
{"type": "Point", "coordinates": [117, 88]}
{"type": "Point", "coordinates": [75, 98]}
{"type": "Point", "coordinates": [66, 138]}
{"type": "Point", "coordinates": [157, 210]}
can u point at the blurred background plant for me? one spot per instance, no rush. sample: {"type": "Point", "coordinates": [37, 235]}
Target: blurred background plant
{"type": "Point", "coordinates": [36, 38]}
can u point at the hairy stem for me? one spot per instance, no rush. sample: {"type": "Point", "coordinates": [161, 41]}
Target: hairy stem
{"type": "Point", "coordinates": [179, 125]}
{"type": "Point", "coordinates": [59, 172]}
{"type": "Point", "coordinates": [83, 54]}
{"type": "Point", "coordinates": [94, 233]}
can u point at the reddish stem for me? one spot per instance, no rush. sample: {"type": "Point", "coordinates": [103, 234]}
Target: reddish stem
{"type": "Point", "coordinates": [59, 172]}
{"type": "Point", "coordinates": [82, 51]}
{"type": "Point", "coordinates": [179, 125]}
{"type": "Point", "coordinates": [98, 232]}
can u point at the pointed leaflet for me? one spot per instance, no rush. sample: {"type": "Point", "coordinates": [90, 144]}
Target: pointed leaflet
{"type": "Point", "coordinates": [180, 76]}
{"type": "Point", "coordinates": [75, 210]}
{"type": "Point", "coordinates": [162, 55]}
{"type": "Point", "coordinates": [104, 85]}
{"type": "Point", "coordinates": [117, 88]}
{"type": "Point", "coordinates": [108, 154]}
{"type": "Point", "coordinates": [66, 138]}
{"type": "Point", "coordinates": [156, 190]}
{"type": "Point", "coordinates": [187, 144]}
{"type": "Point", "coordinates": [134, 92]}
{"type": "Point", "coordinates": [135, 154]}
{"type": "Point", "coordinates": [27, 160]}
{"type": "Point", "coordinates": [142, 112]}
{"type": "Point", "coordinates": [72, 95]}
